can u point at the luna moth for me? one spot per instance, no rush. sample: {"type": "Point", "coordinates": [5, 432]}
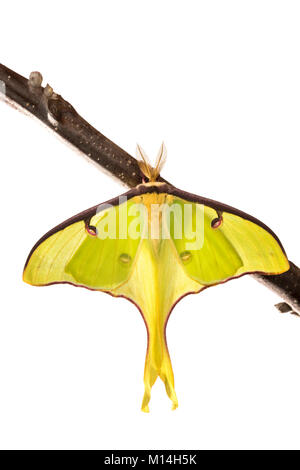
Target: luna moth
{"type": "Point", "coordinates": [154, 245]}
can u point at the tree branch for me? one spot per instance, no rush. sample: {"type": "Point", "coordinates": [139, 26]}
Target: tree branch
{"type": "Point", "coordinates": [287, 285]}
{"type": "Point", "coordinates": [62, 118]}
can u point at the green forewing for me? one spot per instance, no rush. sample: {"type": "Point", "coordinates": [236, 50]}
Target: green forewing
{"type": "Point", "coordinates": [235, 247]}
{"type": "Point", "coordinates": [73, 255]}
{"type": "Point", "coordinates": [206, 254]}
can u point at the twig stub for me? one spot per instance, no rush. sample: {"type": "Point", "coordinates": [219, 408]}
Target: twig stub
{"type": "Point", "coordinates": [35, 79]}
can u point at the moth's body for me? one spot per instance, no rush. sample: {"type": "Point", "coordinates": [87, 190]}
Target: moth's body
{"type": "Point", "coordinates": [162, 266]}
{"type": "Point", "coordinates": [158, 267]}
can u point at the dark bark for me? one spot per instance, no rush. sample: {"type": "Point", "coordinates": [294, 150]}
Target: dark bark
{"type": "Point", "coordinates": [60, 116]}
{"type": "Point", "coordinates": [63, 119]}
{"type": "Point", "coordinates": [287, 285]}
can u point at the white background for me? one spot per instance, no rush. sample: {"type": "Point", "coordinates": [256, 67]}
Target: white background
{"type": "Point", "coordinates": [218, 81]}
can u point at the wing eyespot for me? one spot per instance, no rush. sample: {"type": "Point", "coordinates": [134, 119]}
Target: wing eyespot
{"type": "Point", "coordinates": [91, 230]}
{"type": "Point", "coordinates": [217, 222]}
{"type": "Point", "coordinates": [185, 256]}
{"type": "Point", "coordinates": [124, 258]}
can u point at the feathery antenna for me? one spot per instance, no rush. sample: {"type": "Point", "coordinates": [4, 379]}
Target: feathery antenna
{"type": "Point", "coordinates": [151, 173]}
